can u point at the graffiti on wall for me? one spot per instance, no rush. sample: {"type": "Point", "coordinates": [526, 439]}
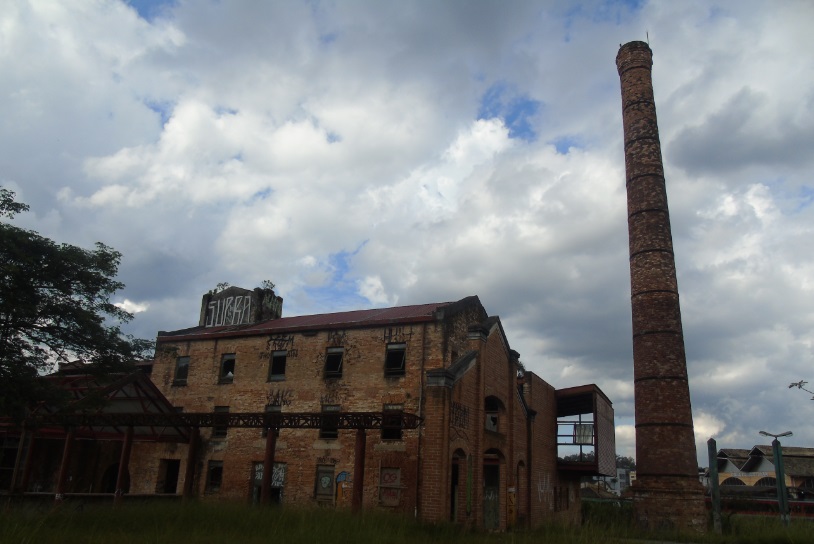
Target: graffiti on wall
{"type": "Point", "coordinates": [337, 394]}
{"type": "Point", "coordinates": [279, 342]}
{"type": "Point", "coordinates": [229, 311]}
{"type": "Point", "coordinates": [280, 397]}
{"type": "Point", "coordinates": [397, 334]}
{"type": "Point", "coordinates": [337, 338]}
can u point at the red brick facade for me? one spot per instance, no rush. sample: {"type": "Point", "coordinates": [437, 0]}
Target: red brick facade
{"type": "Point", "coordinates": [485, 455]}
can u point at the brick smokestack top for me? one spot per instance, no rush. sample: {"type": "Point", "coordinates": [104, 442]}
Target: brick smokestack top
{"type": "Point", "coordinates": [667, 490]}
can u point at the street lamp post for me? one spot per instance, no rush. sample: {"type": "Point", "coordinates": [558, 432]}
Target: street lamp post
{"type": "Point", "coordinates": [780, 476]}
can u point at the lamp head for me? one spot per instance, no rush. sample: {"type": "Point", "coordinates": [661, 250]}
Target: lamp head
{"type": "Point", "coordinates": [787, 433]}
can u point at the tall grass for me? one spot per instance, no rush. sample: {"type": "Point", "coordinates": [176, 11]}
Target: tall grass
{"type": "Point", "coordinates": [205, 523]}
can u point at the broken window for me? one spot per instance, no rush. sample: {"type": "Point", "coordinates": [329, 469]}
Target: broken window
{"type": "Point", "coordinates": [181, 371]}
{"type": "Point", "coordinates": [221, 422]}
{"type": "Point", "coordinates": [391, 421]}
{"type": "Point", "coordinates": [333, 362]}
{"type": "Point", "coordinates": [275, 486]}
{"type": "Point", "coordinates": [227, 368]}
{"type": "Point", "coordinates": [394, 359]}
{"type": "Point", "coordinates": [329, 429]}
{"type": "Point", "coordinates": [277, 366]}
{"type": "Point", "coordinates": [324, 484]}
{"type": "Point", "coordinates": [491, 408]}
{"type": "Point", "coordinates": [214, 476]}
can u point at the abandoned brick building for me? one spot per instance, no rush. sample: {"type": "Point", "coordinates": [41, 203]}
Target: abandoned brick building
{"type": "Point", "coordinates": [420, 409]}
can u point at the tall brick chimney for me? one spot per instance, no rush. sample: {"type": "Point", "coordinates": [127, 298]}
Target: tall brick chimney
{"type": "Point", "coordinates": [667, 493]}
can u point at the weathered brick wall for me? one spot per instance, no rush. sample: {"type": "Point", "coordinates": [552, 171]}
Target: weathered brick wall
{"type": "Point", "coordinates": [665, 443]}
{"type": "Point", "coordinates": [362, 387]}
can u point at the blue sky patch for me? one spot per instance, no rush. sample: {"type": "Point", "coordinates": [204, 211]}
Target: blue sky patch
{"type": "Point", "coordinates": [341, 291]}
{"type": "Point", "coordinates": [564, 143]}
{"type": "Point", "coordinates": [150, 9]}
{"type": "Point", "coordinates": [517, 110]}
{"type": "Point", "coordinates": [162, 108]}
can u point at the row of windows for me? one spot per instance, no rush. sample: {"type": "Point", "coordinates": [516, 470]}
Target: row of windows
{"type": "Point", "coordinates": [329, 430]}
{"type": "Point", "coordinates": [324, 484]}
{"type": "Point", "coordinates": [394, 362]}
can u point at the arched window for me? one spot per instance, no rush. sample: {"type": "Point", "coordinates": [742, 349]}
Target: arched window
{"type": "Point", "coordinates": [766, 481]}
{"type": "Point", "coordinates": [733, 481]}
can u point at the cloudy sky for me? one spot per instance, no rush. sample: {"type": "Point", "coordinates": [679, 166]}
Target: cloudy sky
{"type": "Point", "coordinates": [367, 154]}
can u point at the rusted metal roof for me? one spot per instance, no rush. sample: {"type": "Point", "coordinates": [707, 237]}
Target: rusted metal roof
{"type": "Point", "coordinates": [340, 320]}
{"type": "Point", "coordinates": [111, 396]}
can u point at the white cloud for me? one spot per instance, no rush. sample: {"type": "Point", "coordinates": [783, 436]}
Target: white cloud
{"type": "Point", "coordinates": [337, 150]}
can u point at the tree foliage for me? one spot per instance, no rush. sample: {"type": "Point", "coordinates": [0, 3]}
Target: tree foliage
{"type": "Point", "coordinates": [55, 308]}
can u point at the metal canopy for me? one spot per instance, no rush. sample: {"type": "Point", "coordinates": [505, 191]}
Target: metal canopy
{"type": "Point", "coordinates": [101, 399]}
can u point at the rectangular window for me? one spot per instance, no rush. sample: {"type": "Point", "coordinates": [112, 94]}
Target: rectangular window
{"type": "Point", "coordinates": [277, 366]}
{"type": "Point", "coordinates": [227, 368]}
{"type": "Point", "coordinates": [277, 482]}
{"type": "Point", "coordinates": [390, 486]}
{"type": "Point", "coordinates": [168, 470]}
{"type": "Point", "coordinates": [221, 422]}
{"type": "Point", "coordinates": [391, 421]}
{"type": "Point", "coordinates": [324, 484]}
{"type": "Point", "coordinates": [181, 371]}
{"type": "Point", "coordinates": [333, 362]}
{"type": "Point", "coordinates": [329, 429]}
{"type": "Point", "coordinates": [271, 408]}
{"type": "Point", "coordinates": [394, 359]}
{"type": "Point", "coordinates": [214, 476]}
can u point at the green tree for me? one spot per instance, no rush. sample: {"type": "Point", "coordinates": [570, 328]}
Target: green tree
{"type": "Point", "coordinates": [55, 308]}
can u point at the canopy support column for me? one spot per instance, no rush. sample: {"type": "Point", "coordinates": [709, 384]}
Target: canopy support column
{"type": "Point", "coordinates": [359, 470]}
{"type": "Point", "coordinates": [124, 463]}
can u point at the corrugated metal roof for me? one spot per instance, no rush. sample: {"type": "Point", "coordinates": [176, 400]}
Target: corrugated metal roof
{"type": "Point", "coordinates": [356, 318]}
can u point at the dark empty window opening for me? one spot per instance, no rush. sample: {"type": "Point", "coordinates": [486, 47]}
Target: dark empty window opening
{"type": "Point", "coordinates": [227, 368]}
{"type": "Point", "coordinates": [491, 407]}
{"type": "Point", "coordinates": [277, 367]}
{"type": "Point", "coordinates": [214, 476]}
{"type": "Point", "coordinates": [394, 360]}
{"type": "Point", "coordinates": [221, 422]}
{"type": "Point", "coordinates": [333, 362]}
{"type": "Point", "coordinates": [391, 421]}
{"type": "Point", "coordinates": [181, 371]}
{"type": "Point", "coordinates": [329, 429]}
{"type": "Point", "coordinates": [168, 470]}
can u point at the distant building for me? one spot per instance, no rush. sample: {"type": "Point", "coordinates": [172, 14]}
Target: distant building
{"type": "Point", "coordinates": [742, 471]}
{"type": "Point", "coordinates": [419, 409]}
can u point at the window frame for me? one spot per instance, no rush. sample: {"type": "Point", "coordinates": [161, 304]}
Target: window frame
{"type": "Point", "coordinates": [219, 431]}
{"type": "Point", "coordinates": [176, 379]}
{"type": "Point", "coordinates": [330, 355]}
{"type": "Point", "coordinates": [227, 360]}
{"type": "Point", "coordinates": [392, 413]}
{"type": "Point", "coordinates": [276, 356]}
{"type": "Point", "coordinates": [394, 368]}
{"type": "Point", "coordinates": [213, 486]}
{"type": "Point", "coordinates": [322, 493]}
{"type": "Point", "coordinates": [392, 486]}
{"type": "Point", "coordinates": [329, 432]}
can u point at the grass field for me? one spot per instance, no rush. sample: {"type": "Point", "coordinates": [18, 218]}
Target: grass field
{"type": "Point", "coordinates": [239, 523]}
